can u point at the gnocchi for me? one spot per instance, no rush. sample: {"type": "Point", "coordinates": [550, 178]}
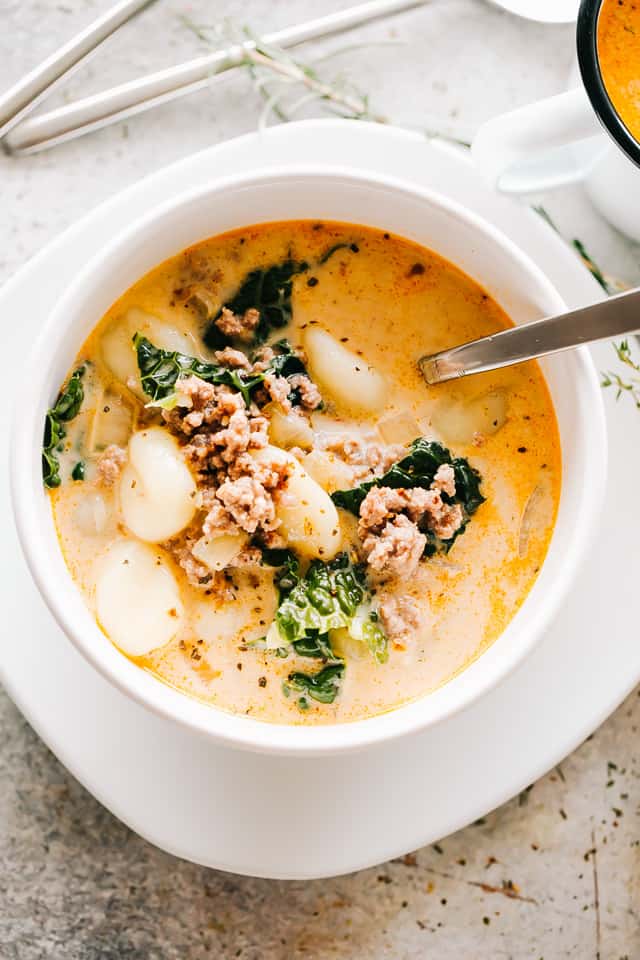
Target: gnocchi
{"type": "Point", "coordinates": [138, 603]}
{"type": "Point", "coordinates": [157, 490]}
{"type": "Point", "coordinates": [344, 375]}
{"type": "Point", "coordinates": [308, 517]}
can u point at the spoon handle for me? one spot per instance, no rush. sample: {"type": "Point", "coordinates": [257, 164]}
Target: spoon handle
{"type": "Point", "coordinates": [613, 317]}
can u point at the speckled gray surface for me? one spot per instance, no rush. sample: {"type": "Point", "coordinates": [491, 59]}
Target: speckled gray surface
{"type": "Point", "coordinates": [554, 873]}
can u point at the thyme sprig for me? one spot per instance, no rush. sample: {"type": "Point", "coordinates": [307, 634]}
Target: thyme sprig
{"type": "Point", "coordinates": [275, 75]}
{"type": "Point", "coordinates": [624, 387]}
{"type": "Point", "coordinates": [609, 283]}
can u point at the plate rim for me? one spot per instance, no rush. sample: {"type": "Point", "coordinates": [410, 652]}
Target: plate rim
{"type": "Point", "coordinates": [498, 796]}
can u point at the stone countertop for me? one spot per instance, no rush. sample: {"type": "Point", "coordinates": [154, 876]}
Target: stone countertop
{"type": "Point", "coordinates": [553, 873]}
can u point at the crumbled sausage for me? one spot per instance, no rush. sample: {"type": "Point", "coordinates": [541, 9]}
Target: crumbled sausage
{"type": "Point", "coordinates": [445, 480]}
{"type": "Point", "coordinates": [308, 391]}
{"type": "Point", "coordinates": [262, 358]}
{"type": "Point", "coordinates": [232, 358]}
{"type": "Point", "coordinates": [248, 503]}
{"type": "Point", "coordinates": [400, 618]}
{"type": "Point", "coordinates": [249, 557]}
{"type": "Point", "coordinates": [278, 389]}
{"type": "Point", "coordinates": [199, 402]}
{"type": "Point", "coordinates": [240, 326]}
{"type": "Point", "coordinates": [197, 573]}
{"type": "Point", "coordinates": [110, 464]}
{"type": "Point", "coordinates": [220, 435]}
{"type": "Point", "coordinates": [396, 549]}
{"type": "Point", "coordinates": [367, 457]}
{"type": "Point", "coordinates": [387, 514]}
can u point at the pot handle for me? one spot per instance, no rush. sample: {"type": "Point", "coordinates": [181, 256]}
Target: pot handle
{"type": "Point", "coordinates": [546, 144]}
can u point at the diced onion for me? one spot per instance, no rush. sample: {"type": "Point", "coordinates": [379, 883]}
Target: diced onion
{"type": "Point", "coordinates": [328, 470]}
{"type": "Point", "coordinates": [288, 429]}
{"type": "Point", "coordinates": [218, 552]}
{"type": "Point", "coordinates": [399, 428]}
{"type": "Point", "coordinates": [91, 514]}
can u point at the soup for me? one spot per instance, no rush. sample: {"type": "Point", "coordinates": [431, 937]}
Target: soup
{"type": "Point", "coordinates": [261, 501]}
{"type": "Point", "coordinates": [619, 58]}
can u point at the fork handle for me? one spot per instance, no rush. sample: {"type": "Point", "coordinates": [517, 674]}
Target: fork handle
{"type": "Point", "coordinates": [614, 317]}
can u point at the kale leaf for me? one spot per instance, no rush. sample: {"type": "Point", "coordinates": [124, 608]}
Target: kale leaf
{"type": "Point", "coordinates": [79, 471]}
{"type": "Point", "coordinates": [279, 557]}
{"type": "Point", "coordinates": [318, 647]}
{"type": "Point", "coordinates": [418, 469]}
{"type": "Point", "coordinates": [322, 686]}
{"type": "Point", "coordinates": [65, 409]}
{"type": "Point", "coordinates": [161, 369]}
{"type": "Point", "coordinates": [269, 292]}
{"type": "Point", "coordinates": [329, 597]}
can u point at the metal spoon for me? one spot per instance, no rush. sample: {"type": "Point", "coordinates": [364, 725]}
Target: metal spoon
{"type": "Point", "coordinates": [613, 317]}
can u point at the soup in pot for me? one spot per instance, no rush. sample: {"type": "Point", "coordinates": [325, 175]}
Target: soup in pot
{"type": "Point", "coordinates": [263, 504]}
{"type": "Point", "coordinates": [619, 58]}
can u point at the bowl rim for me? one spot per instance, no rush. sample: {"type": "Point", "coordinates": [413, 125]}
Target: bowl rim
{"type": "Point", "coordinates": [238, 730]}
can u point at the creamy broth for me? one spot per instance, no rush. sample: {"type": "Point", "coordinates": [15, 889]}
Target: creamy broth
{"type": "Point", "coordinates": [387, 301]}
{"type": "Point", "coordinates": [619, 58]}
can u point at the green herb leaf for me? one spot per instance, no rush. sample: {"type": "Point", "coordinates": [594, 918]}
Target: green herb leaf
{"type": "Point", "coordinates": [65, 409]}
{"type": "Point", "coordinates": [331, 596]}
{"type": "Point", "coordinates": [318, 647]}
{"type": "Point", "coordinates": [322, 686]}
{"type": "Point", "coordinates": [418, 469]}
{"type": "Point", "coordinates": [78, 471]}
{"type": "Point", "coordinates": [268, 291]}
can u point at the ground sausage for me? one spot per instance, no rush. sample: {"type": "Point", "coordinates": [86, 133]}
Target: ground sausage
{"type": "Point", "coordinates": [400, 618]}
{"type": "Point", "coordinates": [392, 521]}
{"type": "Point", "coordinates": [396, 550]}
{"type": "Point", "coordinates": [110, 464]}
{"type": "Point", "coordinates": [239, 326]}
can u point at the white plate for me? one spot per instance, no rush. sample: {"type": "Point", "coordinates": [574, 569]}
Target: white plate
{"type": "Point", "coordinates": [293, 818]}
{"type": "Point", "coordinates": [544, 11]}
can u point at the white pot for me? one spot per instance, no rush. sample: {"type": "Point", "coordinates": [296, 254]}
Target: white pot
{"type": "Point", "coordinates": [575, 136]}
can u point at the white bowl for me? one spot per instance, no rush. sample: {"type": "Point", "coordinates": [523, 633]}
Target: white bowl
{"type": "Point", "coordinates": [330, 194]}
